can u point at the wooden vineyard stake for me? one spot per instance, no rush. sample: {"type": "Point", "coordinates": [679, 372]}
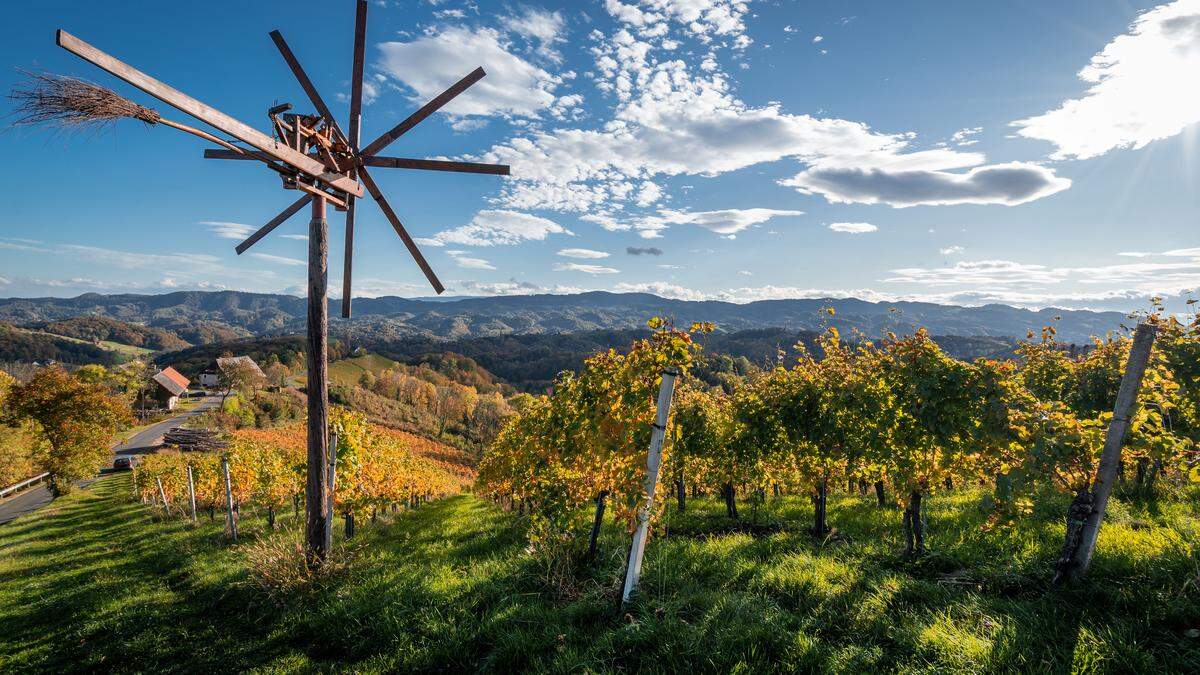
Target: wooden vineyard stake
{"type": "Point", "coordinates": [231, 517]}
{"type": "Point", "coordinates": [311, 154]}
{"type": "Point", "coordinates": [653, 461]}
{"type": "Point", "coordinates": [191, 492]}
{"type": "Point", "coordinates": [163, 495]}
{"type": "Point", "coordinates": [330, 485]}
{"type": "Point", "coordinates": [1087, 510]}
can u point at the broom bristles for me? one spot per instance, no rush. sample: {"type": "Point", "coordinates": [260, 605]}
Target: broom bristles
{"type": "Point", "coordinates": [59, 100]}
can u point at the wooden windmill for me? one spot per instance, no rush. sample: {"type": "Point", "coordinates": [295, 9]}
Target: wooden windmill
{"type": "Point", "coordinates": [311, 154]}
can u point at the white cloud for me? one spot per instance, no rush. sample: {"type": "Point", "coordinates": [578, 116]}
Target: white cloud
{"type": "Point", "coordinates": [951, 250]}
{"type": "Point", "coordinates": [463, 260]}
{"type": "Point", "coordinates": [1008, 184]}
{"type": "Point", "coordinates": [726, 222]}
{"type": "Point", "coordinates": [586, 268]}
{"type": "Point", "coordinates": [964, 137]}
{"type": "Point", "coordinates": [512, 287]}
{"type": "Point", "coordinates": [431, 63]}
{"type": "Point", "coordinates": [297, 237]}
{"type": "Point", "coordinates": [674, 119]}
{"type": "Point", "coordinates": [497, 227]}
{"type": "Point", "coordinates": [746, 273]}
{"type": "Point", "coordinates": [818, 38]}
{"type": "Point", "coordinates": [1142, 88]}
{"type": "Point", "coordinates": [853, 228]}
{"type": "Point", "coordinates": [704, 19]}
{"type": "Point", "coordinates": [227, 230]}
{"type": "Point", "coordinates": [1135, 254]}
{"type": "Point", "coordinates": [582, 253]}
{"type": "Point", "coordinates": [282, 260]}
{"type": "Point", "coordinates": [543, 26]}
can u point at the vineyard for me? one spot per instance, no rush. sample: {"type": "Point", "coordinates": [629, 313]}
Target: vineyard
{"type": "Point", "coordinates": [897, 417]}
{"type": "Point", "coordinates": [376, 469]}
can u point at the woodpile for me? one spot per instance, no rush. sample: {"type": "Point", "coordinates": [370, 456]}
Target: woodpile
{"type": "Point", "coordinates": [194, 440]}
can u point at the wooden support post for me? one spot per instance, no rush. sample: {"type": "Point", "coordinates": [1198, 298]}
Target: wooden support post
{"type": "Point", "coordinates": [653, 460]}
{"type": "Point", "coordinates": [230, 516]}
{"type": "Point", "coordinates": [191, 492]}
{"type": "Point", "coordinates": [332, 483]}
{"type": "Point", "coordinates": [163, 495]}
{"type": "Point", "coordinates": [1078, 556]}
{"type": "Point", "coordinates": [316, 528]}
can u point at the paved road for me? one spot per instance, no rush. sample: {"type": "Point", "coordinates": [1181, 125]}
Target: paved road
{"type": "Point", "coordinates": [144, 441]}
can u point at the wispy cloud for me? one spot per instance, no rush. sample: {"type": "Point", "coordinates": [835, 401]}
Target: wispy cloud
{"type": "Point", "coordinates": [228, 230]}
{"type": "Point", "coordinates": [853, 228]}
{"type": "Point", "coordinates": [585, 268]}
{"type": "Point", "coordinates": [279, 259]}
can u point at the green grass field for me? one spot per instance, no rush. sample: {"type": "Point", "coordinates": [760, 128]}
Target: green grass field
{"type": "Point", "coordinates": [348, 371]}
{"type": "Point", "coordinates": [95, 582]}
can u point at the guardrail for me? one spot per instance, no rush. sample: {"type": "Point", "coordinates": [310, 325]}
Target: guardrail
{"type": "Point", "coordinates": [23, 484]}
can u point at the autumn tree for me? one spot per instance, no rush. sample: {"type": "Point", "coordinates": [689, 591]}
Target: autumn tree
{"type": "Point", "coordinates": [76, 419]}
{"type": "Point", "coordinates": [241, 376]}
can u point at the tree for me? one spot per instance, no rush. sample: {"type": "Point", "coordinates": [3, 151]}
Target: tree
{"type": "Point", "coordinates": [240, 376]}
{"type": "Point", "coordinates": [76, 419]}
{"type": "Point", "coordinates": [932, 417]}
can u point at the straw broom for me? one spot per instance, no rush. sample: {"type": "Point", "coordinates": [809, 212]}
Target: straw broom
{"type": "Point", "coordinates": [68, 102]}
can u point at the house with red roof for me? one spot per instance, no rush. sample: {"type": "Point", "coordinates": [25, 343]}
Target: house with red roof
{"type": "Point", "coordinates": [169, 385]}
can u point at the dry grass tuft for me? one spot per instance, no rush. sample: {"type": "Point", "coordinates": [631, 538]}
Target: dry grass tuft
{"type": "Point", "coordinates": [68, 102]}
{"type": "Point", "coordinates": [278, 566]}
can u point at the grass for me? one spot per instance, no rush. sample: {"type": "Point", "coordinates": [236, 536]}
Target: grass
{"type": "Point", "coordinates": [124, 350]}
{"type": "Point", "coordinates": [95, 582]}
{"type": "Point", "coordinates": [348, 371]}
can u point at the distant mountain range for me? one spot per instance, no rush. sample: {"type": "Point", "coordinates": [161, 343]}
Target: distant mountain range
{"type": "Point", "coordinates": [199, 317]}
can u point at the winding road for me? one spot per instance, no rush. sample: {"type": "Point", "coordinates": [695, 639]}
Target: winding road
{"type": "Point", "coordinates": [144, 441]}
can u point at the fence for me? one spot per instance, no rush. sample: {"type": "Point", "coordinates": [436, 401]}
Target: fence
{"type": "Point", "coordinates": [17, 487]}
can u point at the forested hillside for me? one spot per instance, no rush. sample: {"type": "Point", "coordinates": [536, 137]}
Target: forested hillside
{"type": "Point", "coordinates": [391, 318]}
{"type": "Point", "coordinates": [24, 346]}
{"type": "Point", "coordinates": [98, 328]}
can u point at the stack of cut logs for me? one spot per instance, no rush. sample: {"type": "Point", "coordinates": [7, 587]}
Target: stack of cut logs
{"type": "Point", "coordinates": [194, 440]}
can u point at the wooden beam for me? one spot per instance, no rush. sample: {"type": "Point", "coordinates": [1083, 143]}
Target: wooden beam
{"type": "Point", "coordinates": [274, 223]}
{"type": "Point", "coordinates": [425, 111]}
{"type": "Point", "coordinates": [356, 73]}
{"type": "Point", "coordinates": [316, 492]}
{"type": "Point", "coordinates": [305, 82]}
{"type": "Point", "coordinates": [435, 165]}
{"type": "Point", "coordinates": [399, 227]}
{"type": "Point", "coordinates": [207, 114]}
{"type": "Point", "coordinates": [213, 153]}
{"type": "Point", "coordinates": [356, 89]}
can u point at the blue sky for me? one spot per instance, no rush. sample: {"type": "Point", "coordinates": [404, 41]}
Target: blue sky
{"type": "Point", "coordinates": [1037, 154]}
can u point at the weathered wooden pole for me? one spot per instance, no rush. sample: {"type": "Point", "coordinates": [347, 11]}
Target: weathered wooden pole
{"type": "Point", "coordinates": [191, 492]}
{"type": "Point", "coordinates": [163, 495]}
{"type": "Point", "coordinates": [317, 504]}
{"type": "Point", "coordinates": [332, 482]}
{"type": "Point", "coordinates": [1077, 555]}
{"type": "Point", "coordinates": [653, 461]}
{"type": "Point", "coordinates": [229, 515]}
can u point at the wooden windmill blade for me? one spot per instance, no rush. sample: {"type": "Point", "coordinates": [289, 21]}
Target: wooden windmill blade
{"type": "Point", "coordinates": [424, 164]}
{"type": "Point", "coordinates": [373, 189]}
{"type": "Point", "coordinates": [356, 92]}
{"type": "Point", "coordinates": [208, 114]}
{"type": "Point", "coordinates": [424, 111]}
{"type": "Point", "coordinates": [305, 83]}
{"type": "Point", "coordinates": [273, 223]}
{"type": "Point", "coordinates": [386, 162]}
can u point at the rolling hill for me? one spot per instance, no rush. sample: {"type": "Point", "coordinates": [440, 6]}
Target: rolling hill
{"type": "Point", "coordinates": [386, 319]}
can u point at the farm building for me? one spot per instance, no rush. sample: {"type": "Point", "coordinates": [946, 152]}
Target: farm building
{"type": "Point", "coordinates": [226, 362]}
{"type": "Point", "coordinates": [169, 386]}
